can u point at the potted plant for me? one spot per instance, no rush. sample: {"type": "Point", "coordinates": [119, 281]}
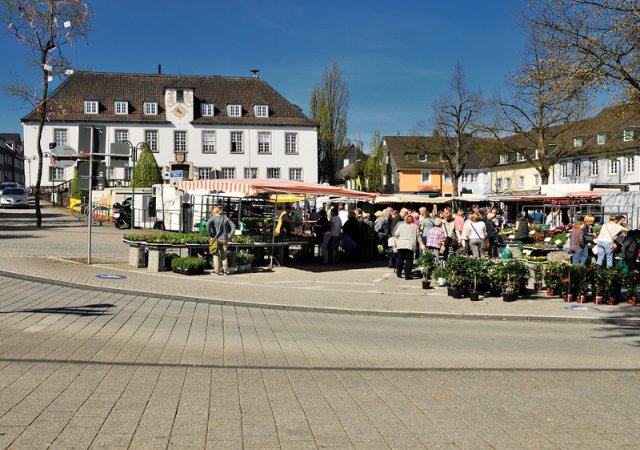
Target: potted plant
{"type": "Point", "coordinates": [477, 277]}
{"type": "Point", "coordinates": [440, 276]}
{"type": "Point", "coordinates": [614, 285]}
{"type": "Point", "coordinates": [427, 263]}
{"type": "Point", "coordinates": [538, 272]}
{"type": "Point", "coordinates": [456, 268]}
{"type": "Point", "coordinates": [598, 282]}
{"type": "Point", "coordinates": [188, 265]}
{"type": "Point", "coordinates": [631, 284]}
{"type": "Point", "coordinates": [508, 288]}
{"type": "Point", "coordinates": [581, 282]}
{"type": "Point", "coordinates": [552, 277]}
{"type": "Point", "coordinates": [244, 259]}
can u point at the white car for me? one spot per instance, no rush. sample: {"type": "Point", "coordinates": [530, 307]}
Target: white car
{"type": "Point", "coordinates": [14, 197]}
{"type": "Point", "coordinates": [8, 184]}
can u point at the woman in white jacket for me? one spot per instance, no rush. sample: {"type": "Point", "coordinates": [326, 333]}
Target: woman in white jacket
{"type": "Point", "coordinates": [407, 241]}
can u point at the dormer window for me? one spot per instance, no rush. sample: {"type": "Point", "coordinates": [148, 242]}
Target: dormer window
{"type": "Point", "coordinates": [150, 108]}
{"type": "Point", "coordinates": [504, 159]}
{"type": "Point", "coordinates": [520, 158]}
{"type": "Point", "coordinates": [577, 142]}
{"type": "Point", "coordinates": [207, 109]}
{"type": "Point", "coordinates": [261, 110]}
{"type": "Point", "coordinates": [422, 157]}
{"type": "Point", "coordinates": [121, 107]}
{"type": "Point", "coordinates": [628, 135]}
{"type": "Point", "coordinates": [91, 107]}
{"type": "Point", "coordinates": [234, 110]}
{"type": "Point", "coordinates": [601, 139]}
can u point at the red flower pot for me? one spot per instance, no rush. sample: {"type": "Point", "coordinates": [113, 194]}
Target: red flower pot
{"type": "Point", "coordinates": [569, 298]}
{"type": "Point", "coordinates": [612, 301]}
{"type": "Point", "coordinates": [582, 298]}
{"type": "Point", "coordinates": [632, 300]}
{"type": "Point", "coordinates": [550, 292]}
{"type": "Point", "coordinates": [599, 299]}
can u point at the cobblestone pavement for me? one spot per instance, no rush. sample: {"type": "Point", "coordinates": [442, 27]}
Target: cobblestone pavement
{"type": "Point", "coordinates": [94, 367]}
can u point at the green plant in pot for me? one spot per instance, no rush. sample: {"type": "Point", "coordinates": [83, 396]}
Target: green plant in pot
{"type": "Point", "coordinates": [244, 257]}
{"type": "Point", "coordinates": [456, 270]}
{"type": "Point", "coordinates": [427, 263]}
{"type": "Point", "coordinates": [631, 281]}
{"type": "Point", "coordinates": [440, 276]}
{"type": "Point", "coordinates": [538, 272]}
{"type": "Point", "coordinates": [188, 265]}
{"type": "Point", "coordinates": [580, 282]}
{"type": "Point", "coordinates": [552, 277]}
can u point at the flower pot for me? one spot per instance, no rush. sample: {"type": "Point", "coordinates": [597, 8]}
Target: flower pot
{"type": "Point", "coordinates": [457, 293]}
{"type": "Point", "coordinates": [632, 300]}
{"type": "Point", "coordinates": [426, 284]}
{"type": "Point", "coordinates": [550, 292]}
{"type": "Point", "coordinates": [537, 286]}
{"type": "Point", "coordinates": [474, 296]}
{"type": "Point", "coordinates": [508, 297]}
{"type": "Point", "coordinates": [582, 298]}
{"type": "Point", "coordinates": [568, 298]}
{"type": "Point", "coordinates": [612, 301]}
{"type": "Point", "coordinates": [450, 291]}
{"type": "Point", "coordinates": [599, 299]}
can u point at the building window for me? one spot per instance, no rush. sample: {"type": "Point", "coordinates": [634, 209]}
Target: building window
{"type": "Point", "coordinates": [264, 142]}
{"type": "Point", "coordinates": [56, 174]}
{"type": "Point", "coordinates": [627, 135]}
{"type": "Point", "coordinates": [577, 142]}
{"type": "Point", "coordinates": [594, 167]}
{"type": "Point", "coordinates": [250, 172]}
{"type": "Point", "coordinates": [208, 141]}
{"type": "Point", "coordinates": [536, 180]}
{"type": "Point", "coordinates": [613, 167]}
{"type": "Point", "coordinates": [273, 172]}
{"type": "Point", "coordinates": [295, 174]}
{"type": "Point", "coordinates": [504, 159]}
{"type": "Point", "coordinates": [236, 142]}
{"type": "Point", "coordinates": [228, 172]}
{"type": "Point", "coordinates": [180, 95]}
{"type": "Point", "coordinates": [234, 110]}
{"type": "Point", "coordinates": [507, 183]}
{"type": "Point", "coordinates": [601, 139]}
{"type": "Point", "coordinates": [577, 168]}
{"type": "Point", "coordinates": [563, 170]}
{"type": "Point", "coordinates": [207, 109]}
{"type": "Point", "coordinates": [180, 141]}
{"type": "Point", "coordinates": [204, 173]}
{"type": "Point", "coordinates": [422, 157]}
{"type": "Point", "coordinates": [151, 138]}
{"type": "Point", "coordinates": [121, 107]}
{"type": "Point", "coordinates": [261, 110]}
{"type": "Point", "coordinates": [520, 158]}
{"type": "Point", "coordinates": [122, 135]}
{"type": "Point", "coordinates": [60, 136]}
{"type": "Point", "coordinates": [498, 183]}
{"type": "Point", "coordinates": [91, 107]}
{"type": "Point", "coordinates": [150, 108]}
{"type": "Point", "coordinates": [425, 176]}
{"type": "Point", "coordinates": [520, 182]}
{"type": "Point", "coordinates": [630, 164]}
{"type": "Point", "coordinates": [447, 178]}
{"type": "Point", "coordinates": [291, 143]}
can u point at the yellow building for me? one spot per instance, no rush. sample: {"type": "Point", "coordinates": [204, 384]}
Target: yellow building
{"type": "Point", "coordinates": [514, 175]}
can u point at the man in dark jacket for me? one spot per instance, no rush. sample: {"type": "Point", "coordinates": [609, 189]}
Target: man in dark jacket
{"type": "Point", "coordinates": [629, 251]}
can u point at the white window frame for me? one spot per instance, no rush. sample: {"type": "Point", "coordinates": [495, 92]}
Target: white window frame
{"type": "Point", "coordinates": [291, 143]}
{"type": "Point", "coordinates": [520, 181]}
{"type": "Point", "coordinates": [236, 139]}
{"type": "Point", "coordinates": [564, 171]}
{"type": "Point", "coordinates": [121, 135]}
{"type": "Point", "coordinates": [422, 157]}
{"type": "Point", "coordinates": [91, 106]}
{"type": "Point", "coordinates": [150, 108]}
{"type": "Point", "coordinates": [207, 109]}
{"type": "Point", "coordinates": [630, 164]}
{"type": "Point", "coordinates": [180, 141]}
{"type": "Point", "coordinates": [447, 178]}
{"type": "Point", "coordinates": [577, 169]}
{"type": "Point", "coordinates": [504, 159]}
{"type": "Point", "coordinates": [264, 142]}
{"type": "Point", "coordinates": [536, 179]}
{"type": "Point", "coordinates": [425, 177]}
{"type": "Point", "coordinates": [151, 138]}
{"type": "Point", "coordinates": [121, 108]}
{"type": "Point", "coordinates": [208, 141]}
{"type": "Point", "coordinates": [601, 139]}
{"type": "Point", "coordinates": [507, 183]}
{"type": "Point", "coordinates": [594, 166]}
{"type": "Point", "coordinates": [251, 172]}
{"type": "Point", "coordinates": [273, 172]}
{"type": "Point", "coordinates": [295, 174]}
{"type": "Point", "coordinates": [498, 183]}
{"type": "Point", "coordinates": [520, 158]}
{"type": "Point", "coordinates": [577, 142]}
{"type": "Point", "coordinates": [261, 110]}
{"type": "Point", "coordinates": [465, 177]}
{"type": "Point", "coordinates": [234, 110]}
{"type": "Point", "coordinates": [614, 167]}
{"type": "Point", "coordinates": [56, 174]}
{"type": "Point", "coordinates": [204, 173]}
{"type": "Point", "coordinates": [628, 135]}
{"type": "Point", "coordinates": [60, 136]}
{"type": "Point", "coordinates": [228, 172]}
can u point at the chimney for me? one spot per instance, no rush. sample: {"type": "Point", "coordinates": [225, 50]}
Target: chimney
{"type": "Point", "coordinates": [159, 69]}
{"type": "Point", "coordinates": [255, 73]}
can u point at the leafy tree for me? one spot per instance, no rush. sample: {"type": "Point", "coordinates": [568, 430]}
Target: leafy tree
{"type": "Point", "coordinates": [373, 167]}
{"type": "Point", "coordinates": [599, 40]}
{"type": "Point", "coordinates": [329, 103]}
{"type": "Point", "coordinates": [76, 192]}
{"type": "Point", "coordinates": [45, 27]}
{"type": "Point", "coordinates": [147, 172]}
{"type": "Point", "coordinates": [545, 105]}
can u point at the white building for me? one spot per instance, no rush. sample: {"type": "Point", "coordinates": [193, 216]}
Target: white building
{"type": "Point", "coordinates": [206, 126]}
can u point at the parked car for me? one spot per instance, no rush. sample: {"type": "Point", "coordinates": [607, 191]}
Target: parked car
{"type": "Point", "coordinates": [14, 197]}
{"type": "Point", "coordinates": [8, 184]}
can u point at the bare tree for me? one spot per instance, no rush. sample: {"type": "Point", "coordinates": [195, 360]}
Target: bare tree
{"type": "Point", "coordinates": [329, 103]}
{"type": "Point", "coordinates": [600, 38]}
{"type": "Point", "coordinates": [536, 120]}
{"type": "Point", "coordinates": [45, 27]}
{"type": "Point", "coordinates": [455, 120]}
{"type": "Point", "coordinates": [373, 167]}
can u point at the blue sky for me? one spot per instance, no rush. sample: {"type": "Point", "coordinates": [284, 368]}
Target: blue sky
{"type": "Point", "coordinates": [397, 57]}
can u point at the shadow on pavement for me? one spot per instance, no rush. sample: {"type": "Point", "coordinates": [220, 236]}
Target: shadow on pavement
{"type": "Point", "coordinates": [97, 309]}
{"type": "Point", "coordinates": [621, 325]}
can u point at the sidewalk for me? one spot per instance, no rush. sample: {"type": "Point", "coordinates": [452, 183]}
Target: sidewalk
{"type": "Point", "coordinates": [332, 289]}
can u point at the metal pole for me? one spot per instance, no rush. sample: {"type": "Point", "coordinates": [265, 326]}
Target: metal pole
{"type": "Point", "coordinates": [90, 202]}
{"type": "Point", "coordinates": [134, 158]}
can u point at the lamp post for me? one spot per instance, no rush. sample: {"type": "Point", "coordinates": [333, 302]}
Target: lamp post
{"type": "Point", "coordinates": [134, 159]}
{"type": "Point", "coordinates": [28, 160]}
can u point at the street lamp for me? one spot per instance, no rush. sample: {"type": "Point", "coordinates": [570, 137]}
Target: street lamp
{"type": "Point", "coordinates": [134, 159]}
{"type": "Point", "coordinates": [28, 159]}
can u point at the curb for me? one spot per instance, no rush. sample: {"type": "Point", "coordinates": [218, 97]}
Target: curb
{"type": "Point", "coordinates": [326, 310]}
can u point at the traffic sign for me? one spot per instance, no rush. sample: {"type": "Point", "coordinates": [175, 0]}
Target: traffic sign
{"type": "Point", "coordinates": [63, 156]}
